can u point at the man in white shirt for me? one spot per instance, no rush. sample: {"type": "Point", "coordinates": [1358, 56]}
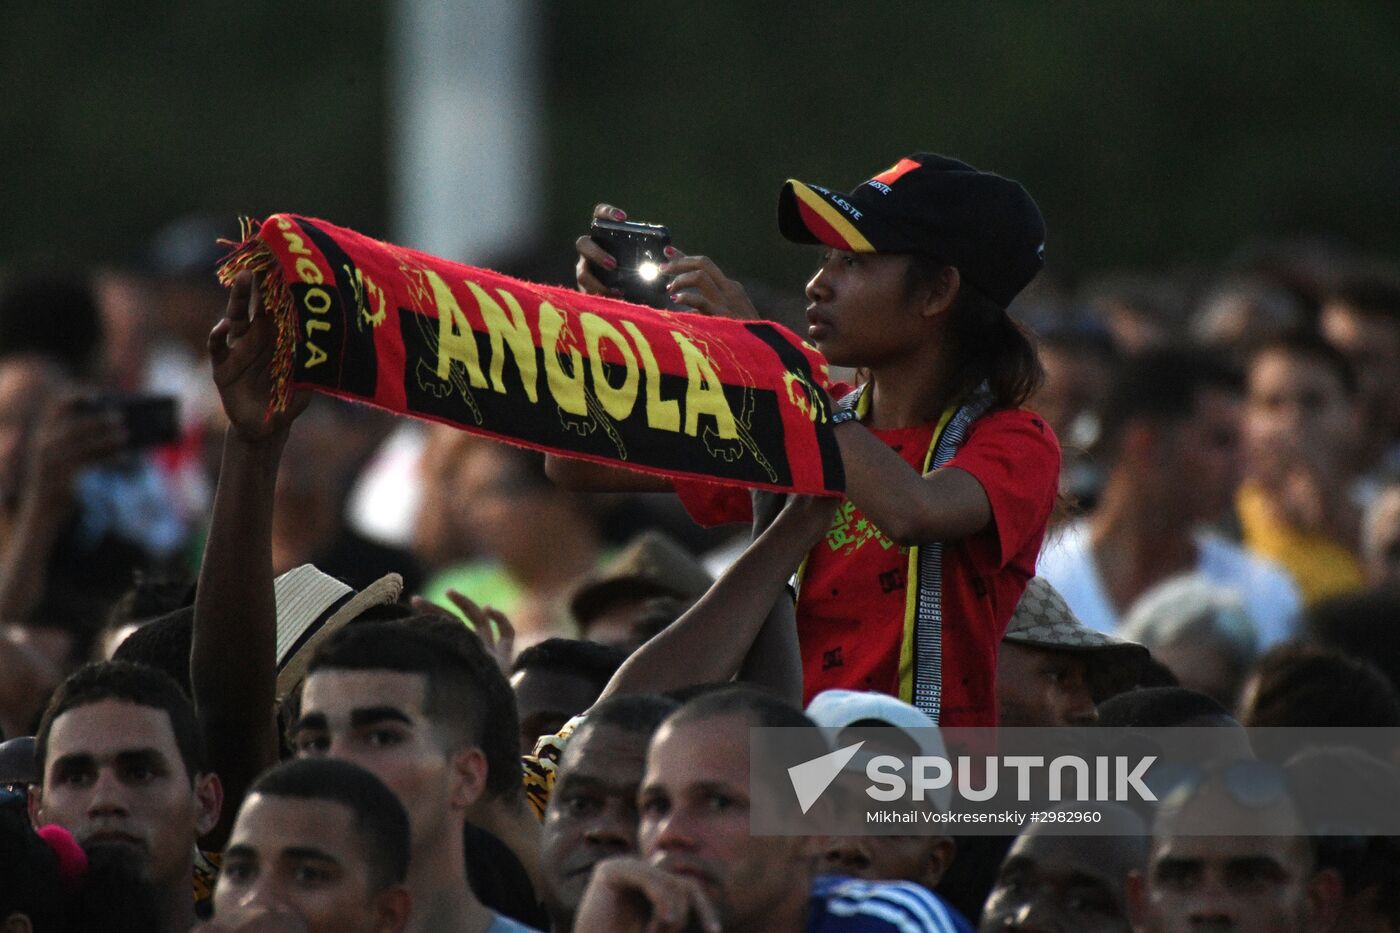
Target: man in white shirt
{"type": "Point", "coordinates": [1171, 436]}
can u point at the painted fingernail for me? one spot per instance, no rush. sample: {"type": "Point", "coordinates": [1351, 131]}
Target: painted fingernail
{"type": "Point", "coordinates": [610, 262]}
{"type": "Point", "coordinates": [671, 252]}
{"type": "Point", "coordinates": [618, 215]}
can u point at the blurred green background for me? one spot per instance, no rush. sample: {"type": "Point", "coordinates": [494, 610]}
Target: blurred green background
{"type": "Point", "coordinates": [1152, 135]}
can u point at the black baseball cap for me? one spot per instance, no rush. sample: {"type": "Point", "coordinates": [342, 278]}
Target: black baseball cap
{"type": "Point", "coordinates": [986, 225]}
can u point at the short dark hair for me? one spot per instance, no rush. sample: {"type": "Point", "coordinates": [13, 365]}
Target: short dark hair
{"type": "Point", "coordinates": [759, 707]}
{"type": "Point", "coordinates": [467, 696]}
{"type": "Point", "coordinates": [1157, 707]}
{"type": "Point", "coordinates": [638, 713]}
{"type": "Point", "coordinates": [1299, 685]}
{"type": "Point", "coordinates": [132, 683]}
{"type": "Point", "coordinates": [150, 597]}
{"type": "Point", "coordinates": [1163, 385]}
{"type": "Point", "coordinates": [1349, 623]}
{"type": "Point", "coordinates": [1156, 674]}
{"type": "Point", "coordinates": [379, 817]}
{"type": "Point", "coordinates": [590, 660]}
{"type": "Point", "coordinates": [1310, 346]}
{"type": "Point", "coordinates": [164, 644]}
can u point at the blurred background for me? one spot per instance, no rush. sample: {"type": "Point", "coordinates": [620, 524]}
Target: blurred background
{"type": "Point", "coordinates": [1224, 175]}
{"type": "Point", "coordinates": [1161, 135]}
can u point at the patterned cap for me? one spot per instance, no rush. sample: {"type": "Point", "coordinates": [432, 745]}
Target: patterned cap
{"type": "Point", "coordinates": [1043, 620]}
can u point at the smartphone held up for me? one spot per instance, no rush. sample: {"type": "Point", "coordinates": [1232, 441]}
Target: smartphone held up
{"type": "Point", "coordinates": [150, 420]}
{"type": "Point", "coordinates": [640, 251]}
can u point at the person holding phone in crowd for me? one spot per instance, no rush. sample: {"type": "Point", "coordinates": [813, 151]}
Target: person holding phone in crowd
{"type": "Point", "coordinates": [949, 481]}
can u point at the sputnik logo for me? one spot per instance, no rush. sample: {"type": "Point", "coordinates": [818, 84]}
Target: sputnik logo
{"type": "Point", "coordinates": [811, 778]}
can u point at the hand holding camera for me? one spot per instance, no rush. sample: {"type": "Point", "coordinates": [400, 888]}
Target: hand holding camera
{"type": "Point", "coordinates": [72, 435]}
{"type": "Point", "coordinates": [636, 262]}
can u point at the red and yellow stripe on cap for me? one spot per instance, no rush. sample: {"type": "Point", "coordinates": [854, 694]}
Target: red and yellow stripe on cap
{"type": "Point", "coordinates": [827, 222]}
{"type": "Point", "coordinates": [892, 174]}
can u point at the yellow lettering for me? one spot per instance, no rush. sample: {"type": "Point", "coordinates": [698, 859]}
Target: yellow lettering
{"type": "Point", "coordinates": [662, 414]}
{"type": "Point", "coordinates": [704, 393]}
{"type": "Point", "coordinates": [567, 389]}
{"type": "Point", "coordinates": [283, 223]}
{"type": "Point", "coordinates": [314, 325]}
{"type": "Point", "coordinates": [617, 400]}
{"type": "Point", "coordinates": [322, 303]}
{"type": "Point", "coordinates": [318, 356]}
{"type": "Point", "coordinates": [455, 338]}
{"type": "Point", "coordinates": [295, 244]}
{"type": "Point", "coordinates": [508, 330]}
{"type": "Point", "coordinates": [309, 272]}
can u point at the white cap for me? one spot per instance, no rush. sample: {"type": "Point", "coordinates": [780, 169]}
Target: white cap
{"type": "Point", "coordinates": [837, 709]}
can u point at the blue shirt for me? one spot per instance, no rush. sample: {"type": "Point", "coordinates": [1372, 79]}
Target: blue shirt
{"type": "Point", "coordinates": [849, 905]}
{"type": "Point", "coordinates": [503, 924]}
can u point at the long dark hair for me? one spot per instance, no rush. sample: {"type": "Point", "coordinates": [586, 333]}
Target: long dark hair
{"type": "Point", "coordinates": [990, 345]}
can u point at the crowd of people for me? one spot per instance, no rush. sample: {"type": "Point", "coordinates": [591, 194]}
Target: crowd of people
{"type": "Point", "coordinates": [328, 670]}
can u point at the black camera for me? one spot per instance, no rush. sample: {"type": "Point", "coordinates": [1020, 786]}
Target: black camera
{"type": "Point", "coordinates": [640, 251]}
{"type": "Point", "coordinates": [150, 420]}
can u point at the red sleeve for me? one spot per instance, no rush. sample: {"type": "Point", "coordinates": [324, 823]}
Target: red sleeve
{"type": "Point", "coordinates": [1016, 457]}
{"type": "Point", "coordinates": [712, 504]}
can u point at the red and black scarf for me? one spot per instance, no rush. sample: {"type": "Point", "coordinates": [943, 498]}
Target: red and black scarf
{"type": "Point", "coordinates": [739, 402]}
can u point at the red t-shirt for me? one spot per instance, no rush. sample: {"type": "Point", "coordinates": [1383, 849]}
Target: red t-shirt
{"type": "Point", "coordinates": [851, 611]}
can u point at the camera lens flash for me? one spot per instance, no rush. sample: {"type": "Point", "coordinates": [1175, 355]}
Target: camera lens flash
{"type": "Point", "coordinates": [648, 271]}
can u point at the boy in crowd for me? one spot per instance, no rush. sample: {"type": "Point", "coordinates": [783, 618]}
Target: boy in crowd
{"type": "Point", "coordinates": [122, 764]}
{"type": "Point", "coordinates": [699, 860]}
{"type": "Point", "coordinates": [1171, 435]}
{"type": "Point", "coordinates": [410, 700]}
{"type": "Point", "coordinates": [322, 841]}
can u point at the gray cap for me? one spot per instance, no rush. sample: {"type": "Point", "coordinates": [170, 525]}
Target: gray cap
{"type": "Point", "coordinates": [1044, 620]}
